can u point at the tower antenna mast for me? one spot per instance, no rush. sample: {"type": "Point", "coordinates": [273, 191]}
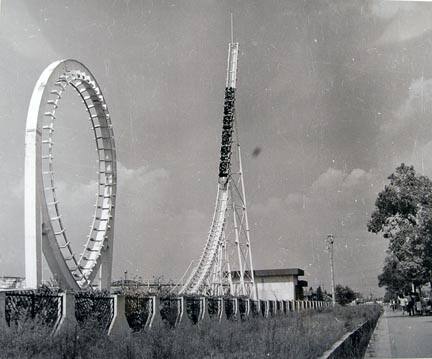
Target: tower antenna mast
{"type": "Point", "coordinates": [232, 28]}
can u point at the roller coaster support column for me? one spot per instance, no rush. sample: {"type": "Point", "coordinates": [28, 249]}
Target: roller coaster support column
{"type": "Point", "coordinates": [33, 188]}
{"type": "Point", "coordinates": [237, 242]}
{"type": "Point", "coordinates": [247, 230]}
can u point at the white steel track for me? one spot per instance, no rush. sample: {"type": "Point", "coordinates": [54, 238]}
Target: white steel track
{"type": "Point", "coordinates": [213, 273]}
{"type": "Point", "coordinates": [43, 220]}
{"type": "Point", "coordinates": [200, 275]}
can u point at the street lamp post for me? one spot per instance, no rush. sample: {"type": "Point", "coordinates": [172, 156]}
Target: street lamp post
{"type": "Point", "coordinates": [330, 242]}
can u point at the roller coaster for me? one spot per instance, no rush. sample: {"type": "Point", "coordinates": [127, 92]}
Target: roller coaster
{"type": "Point", "coordinates": [221, 286]}
{"type": "Point", "coordinates": [225, 266]}
{"type": "Point", "coordinates": [228, 241]}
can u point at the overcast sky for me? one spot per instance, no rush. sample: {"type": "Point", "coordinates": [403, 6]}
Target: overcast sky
{"type": "Point", "coordinates": [336, 94]}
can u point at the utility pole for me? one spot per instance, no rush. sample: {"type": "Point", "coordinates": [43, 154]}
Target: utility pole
{"type": "Point", "coordinates": [330, 242]}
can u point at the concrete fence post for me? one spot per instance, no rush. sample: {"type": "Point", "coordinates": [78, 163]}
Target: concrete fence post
{"type": "Point", "coordinates": [119, 324]}
{"type": "Point", "coordinates": [266, 308]}
{"type": "Point", "coordinates": [248, 307]}
{"type": "Point", "coordinates": [154, 312]}
{"type": "Point", "coordinates": [243, 307]}
{"type": "Point", "coordinates": [254, 307]}
{"type": "Point", "coordinates": [194, 309]}
{"type": "Point", "coordinates": [181, 312]}
{"type": "Point", "coordinates": [66, 320]}
{"type": "Point", "coordinates": [271, 306]}
{"type": "Point", "coordinates": [203, 309]}
{"type": "Point", "coordinates": [274, 305]}
{"type": "Point", "coordinates": [214, 309]}
{"type": "Point", "coordinates": [3, 323]}
{"type": "Point", "coordinates": [285, 307]}
{"type": "Point", "coordinates": [280, 307]}
{"type": "Point", "coordinates": [164, 307]}
{"type": "Point", "coordinates": [259, 307]}
{"type": "Point", "coordinates": [236, 314]}
{"type": "Point", "coordinates": [221, 309]}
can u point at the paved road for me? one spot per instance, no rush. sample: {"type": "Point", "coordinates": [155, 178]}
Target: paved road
{"type": "Point", "coordinates": [401, 336]}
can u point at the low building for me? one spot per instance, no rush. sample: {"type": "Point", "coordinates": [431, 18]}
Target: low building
{"type": "Point", "coordinates": [277, 284]}
{"type": "Point", "coordinates": [11, 283]}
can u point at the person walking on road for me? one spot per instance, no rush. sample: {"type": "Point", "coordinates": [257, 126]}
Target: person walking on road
{"type": "Point", "coordinates": [410, 305]}
{"type": "Point", "coordinates": [403, 303]}
{"type": "Point", "coordinates": [419, 306]}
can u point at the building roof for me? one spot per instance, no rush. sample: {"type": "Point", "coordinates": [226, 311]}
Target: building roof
{"type": "Point", "coordinates": [273, 272]}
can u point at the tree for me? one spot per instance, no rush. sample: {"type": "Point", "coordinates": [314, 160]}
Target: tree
{"type": "Point", "coordinates": [388, 296]}
{"type": "Point", "coordinates": [393, 277]}
{"type": "Point", "coordinates": [344, 295]}
{"type": "Point", "coordinates": [319, 294]}
{"type": "Point", "coordinates": [403, 214]}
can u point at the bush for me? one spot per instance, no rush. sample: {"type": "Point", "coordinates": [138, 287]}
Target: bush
{"type": "Point", "coordinates": [344, 295]}
{"type": "Point", "coordinates": [297, 335]}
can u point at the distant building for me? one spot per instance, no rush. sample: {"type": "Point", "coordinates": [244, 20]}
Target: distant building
{"type": "Point", "coordinates": [11, 283]}
{"type": "Point", "coordinates": [277, 284]}
{"type": "Point", "coordinates": [271, 284]}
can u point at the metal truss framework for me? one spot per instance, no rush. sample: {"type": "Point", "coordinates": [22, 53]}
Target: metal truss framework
{"type": "Point", "coordinates": [44, 227]}
{"type": "Point", "coordinates": [228, 242]}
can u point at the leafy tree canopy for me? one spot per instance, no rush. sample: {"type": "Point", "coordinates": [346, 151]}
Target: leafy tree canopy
{"type": "Point", "coordinates": [403, 214]}
{"type": "Point", "coordinates": [344, 295]}
{"type": "Point", "coordinates": [319, 294]}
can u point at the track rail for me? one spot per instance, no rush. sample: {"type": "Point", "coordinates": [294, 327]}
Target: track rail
{"type": "Point", "coordinates": [70, 270]}
{"type": "Point", "coordinates": [200, 276]}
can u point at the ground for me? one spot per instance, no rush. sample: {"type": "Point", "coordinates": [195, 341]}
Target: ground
{"type": "Point", "coordinates": [401, 336]}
